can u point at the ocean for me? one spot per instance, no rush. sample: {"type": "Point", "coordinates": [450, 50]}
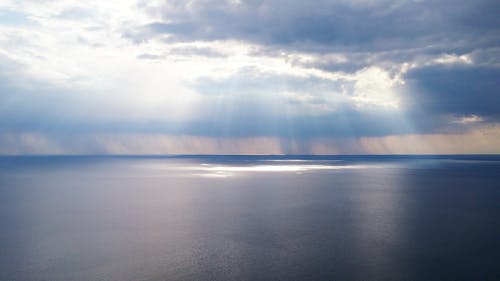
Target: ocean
{"type": "Point", "coordinates": [250, 218]}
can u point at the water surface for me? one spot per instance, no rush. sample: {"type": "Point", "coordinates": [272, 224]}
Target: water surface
{"type": "Point", "coordinates": [250, 218]}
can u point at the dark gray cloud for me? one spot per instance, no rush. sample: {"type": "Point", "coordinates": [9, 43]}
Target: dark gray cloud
{"type": "Point", "coordinates": [368, 32]}
{"type": "Point", "coordinates": [345, 25]}
{"type": "Point", "coordinates": [458, 90]}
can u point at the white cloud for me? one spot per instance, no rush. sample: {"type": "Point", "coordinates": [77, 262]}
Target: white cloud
{"type": "Point", "coordinates": [453, 59]}
{"type": "Point", "coordinates": [374, 87]}
{"type": "Point", "coordinates": [469, 119]}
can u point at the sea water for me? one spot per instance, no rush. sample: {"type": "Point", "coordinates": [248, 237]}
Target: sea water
{"type": "Point", "coordinates": [250, 218]}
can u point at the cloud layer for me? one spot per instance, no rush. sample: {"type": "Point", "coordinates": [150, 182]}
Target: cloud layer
{"type": "Point", "coordinates": [294, 72]}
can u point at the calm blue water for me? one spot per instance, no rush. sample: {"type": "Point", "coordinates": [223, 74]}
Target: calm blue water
{"type": "Point", "coordinates": [250, 218]}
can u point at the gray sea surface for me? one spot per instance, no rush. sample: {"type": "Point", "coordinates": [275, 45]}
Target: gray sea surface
{"type": "Point", "coordinates": [250, 218]}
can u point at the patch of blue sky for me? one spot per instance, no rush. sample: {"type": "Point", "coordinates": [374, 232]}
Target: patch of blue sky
{"type": "Point", "coordinates": [13, 18]}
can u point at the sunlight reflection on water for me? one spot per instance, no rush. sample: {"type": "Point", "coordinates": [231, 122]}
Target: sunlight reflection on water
{"type": "Point", "coordinates": [227, 171]}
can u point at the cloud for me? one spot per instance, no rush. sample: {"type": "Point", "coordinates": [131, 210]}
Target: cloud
{"type": "Point", "coordinates": [354, 25]}
{"type": "Point", "coordinates": [443, 51]}
{"type": "Point", "coordinates": [470, 119]}
{"type": "Point", "coordinates": [457, 90]}
{"type": "Point", "coordinates": [292, 71]}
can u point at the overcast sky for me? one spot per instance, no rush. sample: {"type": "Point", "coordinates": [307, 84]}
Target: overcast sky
{"type": "Point", "coordinates": [251, 77]}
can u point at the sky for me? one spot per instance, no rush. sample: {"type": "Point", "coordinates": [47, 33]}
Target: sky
{"type": "Point", "coordinates": [249, 77]}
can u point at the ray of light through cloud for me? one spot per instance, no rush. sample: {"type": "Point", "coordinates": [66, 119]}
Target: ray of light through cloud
{"type": "Point", "coordinates": [249, 77]}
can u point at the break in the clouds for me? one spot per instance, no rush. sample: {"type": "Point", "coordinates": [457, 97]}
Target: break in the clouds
{"type": "Point", "coordinates": [329, 76]}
